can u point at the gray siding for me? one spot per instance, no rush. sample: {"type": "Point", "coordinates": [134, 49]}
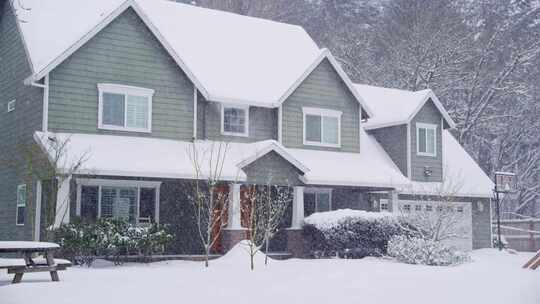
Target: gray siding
{"type": "Point", "coordinates": [481, 222]}
{"type": "Point", "coordinates": [323, 88]}
{"type": "Point", "coordinates": [126, 53]}
{"type": "Point", "coordinates": [428, 114]}
{"type": "Point", "coordinates": [17, 126]}
{"type": "Point", "coordinates": [394, 141]}
{"type": "Point", "coordinates": [274, 169]}
{"type": "Point", "coordinates": [262, 123]}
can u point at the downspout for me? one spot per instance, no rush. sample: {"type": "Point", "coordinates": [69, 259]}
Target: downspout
{"type": "Point", "coordinates": [44, 128]}
{"type": "Point", "coordinates": [45, 114]}
{"type": "Point", "coordinates": [195, 114]}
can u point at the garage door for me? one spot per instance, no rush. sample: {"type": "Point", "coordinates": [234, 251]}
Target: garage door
{"type": "Point", "coordinates": [457, 215]}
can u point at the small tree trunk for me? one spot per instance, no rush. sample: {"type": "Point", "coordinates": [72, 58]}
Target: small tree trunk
{"type": "Point", "coordinates": [206, 258]}
{"type": "Point", "coordinates": [266, 250]}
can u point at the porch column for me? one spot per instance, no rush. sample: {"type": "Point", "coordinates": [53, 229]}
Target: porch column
{"type": "Point", "coordinates": [298, 208]}
{"type": "Point", "coordinates": [37, 215]}
{"type": "Point", "coordinates": [62, 202]}
{"type": "Point", "coordinates": [234, 207]}
{"type": "Point", "coordinates": [393, 200]}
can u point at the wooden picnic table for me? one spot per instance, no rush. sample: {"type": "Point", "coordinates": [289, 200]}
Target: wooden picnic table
{"type": "Point", "coordinates": [27, 250]}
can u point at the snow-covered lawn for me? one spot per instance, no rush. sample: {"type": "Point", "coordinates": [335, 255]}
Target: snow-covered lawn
{"type": "Point", "coordinates": [492, 277]}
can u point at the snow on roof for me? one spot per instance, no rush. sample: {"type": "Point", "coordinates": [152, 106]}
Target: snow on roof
{"type": "Point", "coordinates": [462, 175]}
{"type": "Point", "coordinates": [152, 157]}
{"type": "Point", "coordinates": [49, 28]}
{"type": "Point", "coordinates": [372, 167]}
{"type": "Point", "coordinates": [231, 58]}
{"type": "Point", "coordinates": [164, 158]}
{"type": "Point", "coordinates": [393, 107]}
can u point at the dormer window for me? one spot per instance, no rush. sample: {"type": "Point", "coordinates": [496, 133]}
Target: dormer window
{"type": "Point", "coordinates": [322, 127]}
{"type": "Point", "coordinates": [426, 139]}
{"type": "Point", "coordinates": [125, 108]}
{"type": "Point", "coordinates": [235, 120]}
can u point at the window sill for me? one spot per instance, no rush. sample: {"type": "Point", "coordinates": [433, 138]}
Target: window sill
{"type": "Point", "coordinates": [426, 154]}
{"type": "Point", "coordinates": [316, 144]}
{"type": "Point", "coordinates": [122, 129]}
{"type": "Point", "coordinates": [235, 134]}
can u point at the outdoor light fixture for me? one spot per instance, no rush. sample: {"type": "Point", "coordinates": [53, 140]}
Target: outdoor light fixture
{"type": "Point", "coordinates": [503, 184]}
{"type": "Point", "coordinates": [428, 171]}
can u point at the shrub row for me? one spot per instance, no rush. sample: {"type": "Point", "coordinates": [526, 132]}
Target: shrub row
{"type": "Point", "coordinates": [350, 233]}
{"type": "Point", "coordinates": [82, 242]}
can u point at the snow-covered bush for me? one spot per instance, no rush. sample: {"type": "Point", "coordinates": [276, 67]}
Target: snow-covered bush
{"type": "Point", "coordinates": [416, 250]}
{"type": "Point", "coordinates": [82, 242]}
{"type": "Point", "coordinates": [350, 233]}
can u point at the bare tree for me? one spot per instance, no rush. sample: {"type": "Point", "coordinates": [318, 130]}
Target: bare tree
{"type": "Point", "coordinates": [264, 209]}
{"type": "Point", "coordinates": [439, 219]}
{"type": "Point", "coordinates": [53, 164]}
{"type": "Point", "coordinates": [210, 205]}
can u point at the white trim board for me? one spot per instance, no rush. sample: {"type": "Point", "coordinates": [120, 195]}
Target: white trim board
{"type": "Point", "coordinates": [280, 151]}
{"type": "Point", "coordinates": [325, 54]}
{"type": "Point", "coordinates": [436, 102]}
{"type": "Point", "coordinates": [37, 75]}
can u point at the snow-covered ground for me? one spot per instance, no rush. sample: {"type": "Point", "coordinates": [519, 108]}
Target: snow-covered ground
{"type": "Point", "coordinates": [492, 277]}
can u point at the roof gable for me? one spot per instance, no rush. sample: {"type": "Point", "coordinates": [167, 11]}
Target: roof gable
{"type": "Point", "coordinates": [326, 55]}
{"type": "Point", "coordinates": [230, 58]}
{"type": "Point", "coordinates": [395, 107]}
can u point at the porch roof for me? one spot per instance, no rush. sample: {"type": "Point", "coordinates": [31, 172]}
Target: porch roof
{"type": "Point", "coordinates": [163, 158]}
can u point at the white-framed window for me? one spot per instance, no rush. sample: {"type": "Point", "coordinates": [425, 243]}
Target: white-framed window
{"type": "Point", "coordinates": [426, 139]}
{"type": "Point", "coordinates": [418, 208]}
{"type": "Point", "coordinates": [460, 209]}
{"type": "Point", "coordinates": [11, 105]}
{"type": "Point", "coordinates": [383, 205]}
{"type": "Point", "coordinates": [317, 200]}
{"type": "Point", "coordinates": [21, 205]}
{"type": "Point", "coordinates": [407, 208]}
{"type": "Point", "coordinates": [429, 208]}
{"type": "Point", "coordinates": [235, 120]}
{"type": "Point", "coordinates": [134, 201]}
{"type": "Point", "coordinates": [125, 108]}
{"type": "Point", "coordinates": [322, 127]}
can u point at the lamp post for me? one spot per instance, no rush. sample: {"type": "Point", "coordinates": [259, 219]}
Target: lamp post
{"type": "Point", "coordinates": [503, 182]}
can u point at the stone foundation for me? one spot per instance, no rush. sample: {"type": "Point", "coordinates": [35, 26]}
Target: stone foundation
{"type": "Point", "coordinates": [230, 237]}
{"type": "Point", "coordinates": [295, 243]}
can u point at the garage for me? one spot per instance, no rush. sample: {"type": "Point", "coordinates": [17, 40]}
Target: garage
{"type": "Point", "coordinates": [457, 217]}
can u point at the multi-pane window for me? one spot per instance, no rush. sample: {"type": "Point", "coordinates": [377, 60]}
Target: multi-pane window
{"type": "Point", "coordinates": [21, 204]}
{"type": "Point", "coordinates": [322, 127]}
{"type": "Point", "coordinates": [429, 208]}
{"type": "Point", "coordinates": [317, 200]}
{"type": "Point", "coordinates": [426, 143]}
{"type": "Point", "coordinates": [417, 207]}
{"type": "Point", "coordinates": [125, 108]}
{"type": "Point", "coordinates": [407, 208]}
{"type": "Point", "coordinates": [234, 120]}
{"type": "Point", "coordinates": [131, 203]}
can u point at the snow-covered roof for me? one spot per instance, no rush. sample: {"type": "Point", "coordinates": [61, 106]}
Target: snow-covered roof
{"type": "Point", "coordinates": [153, 157]}
{"type": "Point", "coordinates": [462, 175]}
{"type": "Point", "coordinates": [164, 158]}
{"type": "Point", "coordinates": [229, 57]}
{"type": "Point", "coordinates": [372, 167]}
{"type": "Point", "coordinates": [392, 107]}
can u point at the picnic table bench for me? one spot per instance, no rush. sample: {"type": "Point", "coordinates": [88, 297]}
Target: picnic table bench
{"type": "Point", "coordinates": [27, 264]}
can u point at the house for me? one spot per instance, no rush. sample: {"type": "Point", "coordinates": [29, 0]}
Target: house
{"type": "Point", "coordinates": [129, 85]}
